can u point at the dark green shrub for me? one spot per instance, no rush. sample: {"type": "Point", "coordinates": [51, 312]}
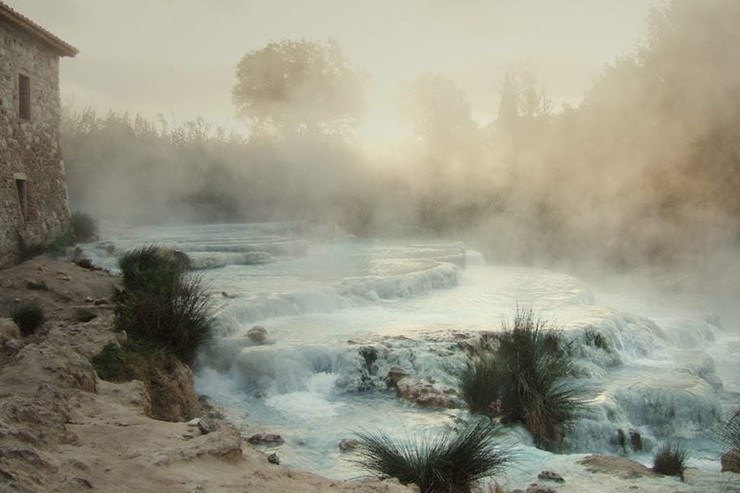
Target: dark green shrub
{"type": "Point", "coordinates": [520, 378]}
{"type": "Point", "coordinates": [113, 364]}
{"type": "Point", "coordinates": [671, 460]}
{"type": "Point", "coordinates": [451, 463]}
{"type": "Point", "coordinates": [83, 227]}
{"type": "Point", "coordinates": [28, 317]}
{"type": "Point", "coordinates": [159, 305]}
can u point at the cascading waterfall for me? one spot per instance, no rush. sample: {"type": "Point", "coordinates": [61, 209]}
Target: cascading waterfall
{"type": "Point", "coordinates": [339, 313]}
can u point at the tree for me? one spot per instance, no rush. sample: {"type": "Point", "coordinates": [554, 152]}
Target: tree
{"type": "Point", "coordinates": [534, 103]}
{"type": "Point", "coordinates": [452, 182]}
{"type": "Point", "coordinates": [439, 113]}
{"type": "Point", "coordinates": [508, 108]}
{"type": "Point", "coordinates": [522, 101]}
{"type": "Point", "coordinates": [298, 87]}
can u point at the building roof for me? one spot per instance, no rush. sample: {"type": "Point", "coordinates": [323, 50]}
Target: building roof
{"type": "Point", "coordinates": [25, 24]}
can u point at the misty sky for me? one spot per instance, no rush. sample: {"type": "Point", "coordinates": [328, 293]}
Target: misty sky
{"type": "Point", "coordinates": [178, 57]}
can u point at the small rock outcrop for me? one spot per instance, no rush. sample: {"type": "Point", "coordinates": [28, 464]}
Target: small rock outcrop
{"type": "Point", "coordinates": [348, 444]}
{"type": "Point", "coordinates": [635, 440]}
{"type": "Point", "coordinates": [395, 374]}
{"type": "Point", "coordinates": [422, 392]}
{"type": "Point", "coordinates": [425, 393]}
{"type": "Point", "coordinates": [225, 443]}
{"type": "Point", "coordinates": [731, 461]}
{"type": "Point", "coordinates": [616, 466]}
{"type": "Point", "coordinates": [266, 439]}
{"type": "Point", "coordinates": [257, 334]}
{"type": "Point", "coordinates": [551, 476]}
{"type": "Point", "coordinates": [8, 331]}
{"type": "Point", "coordinates": [206, 425]}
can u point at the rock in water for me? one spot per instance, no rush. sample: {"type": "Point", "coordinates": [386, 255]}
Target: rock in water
{"type": "Point", "coordinates": [635, 440]}
{"type": "Point", "coordinates": [731, 461]}
{"type": "Point", "coordinates": [348, 444]}
{"type": "Point", "coordinates": [395, 374]}
{"type": "Point", "coordinates": [551, 476]}
{"type": "Point", "coordinates": [266, 439]}
{"type": "Point", "coordinates": [426, 394]}
{"type": "Point", "coordinates": [273, 459]}
{"type": "Point", "coordinates": [257, 334]}
{"type": "Point", "coordinates": [621, 440]}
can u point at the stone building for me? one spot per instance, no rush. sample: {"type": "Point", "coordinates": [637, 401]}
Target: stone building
{"type": "Point", "coordinates": [34, 207]}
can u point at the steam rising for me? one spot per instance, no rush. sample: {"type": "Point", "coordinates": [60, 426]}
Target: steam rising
{"type": "Point", "coordinates": [643, 171]}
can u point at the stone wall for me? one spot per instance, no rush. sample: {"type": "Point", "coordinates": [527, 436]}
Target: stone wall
{"type": "Point", "coordinates": [29, 149]}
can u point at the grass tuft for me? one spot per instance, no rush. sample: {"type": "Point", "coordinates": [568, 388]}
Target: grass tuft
{"type": "Point", "coordinates": [83, 227]}
{"type": "Point", "coordinates": [152, 268]}
{"type": "Point", "coordinates": [28, 317]}
{"type": "Point", "coordinates": [452, 463]}
{"type": "Point", "coordinates": [670, 460]}
{"type": "Point", "coordinates": [161, 306]}
{"type": "Point", "coordinates": [729, 433]}
{"type": "Point", "coordinates": [519, 377]}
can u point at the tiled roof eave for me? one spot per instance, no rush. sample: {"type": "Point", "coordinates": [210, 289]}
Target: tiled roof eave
{"type": "Point", "coordinates": [25, 24]}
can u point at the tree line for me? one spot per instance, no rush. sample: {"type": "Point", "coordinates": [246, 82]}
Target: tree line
{"type": "Point", "coordinates": [645, 169]}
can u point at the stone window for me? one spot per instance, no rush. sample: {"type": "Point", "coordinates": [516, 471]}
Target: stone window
{"type": "Point", "coordinates": [21, 186]}
{"type": "Point", "coordinates": [24, 97]}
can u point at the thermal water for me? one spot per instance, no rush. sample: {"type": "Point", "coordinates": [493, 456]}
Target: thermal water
{"type": "Point", "coordinates": [340, 312]}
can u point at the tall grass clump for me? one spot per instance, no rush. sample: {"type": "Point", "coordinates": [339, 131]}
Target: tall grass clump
{"type": "Point", "coordinates": [162, 306]}
{"type": "Point", "coordinates": [729, 433]}
{"type": "Point", "coordinates": [670, 460]}
{"type": "Point", "coordinates": [152, 268]}
{"type": "Point", "coordinates": [83, 226]}
{"type": "Point", "coordinates": [452, 463]}
{"type": "Point", "coordinates": [28, 317]}
{"type": "Point", "coordinates": [519, 377]}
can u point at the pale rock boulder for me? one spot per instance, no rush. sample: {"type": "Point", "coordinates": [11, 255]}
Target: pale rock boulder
{"type": "Point", "coordinates": [8, 331]}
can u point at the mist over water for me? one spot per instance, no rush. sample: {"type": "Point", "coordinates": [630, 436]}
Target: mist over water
{"type": "Point", "coordinates": [643, 172]}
